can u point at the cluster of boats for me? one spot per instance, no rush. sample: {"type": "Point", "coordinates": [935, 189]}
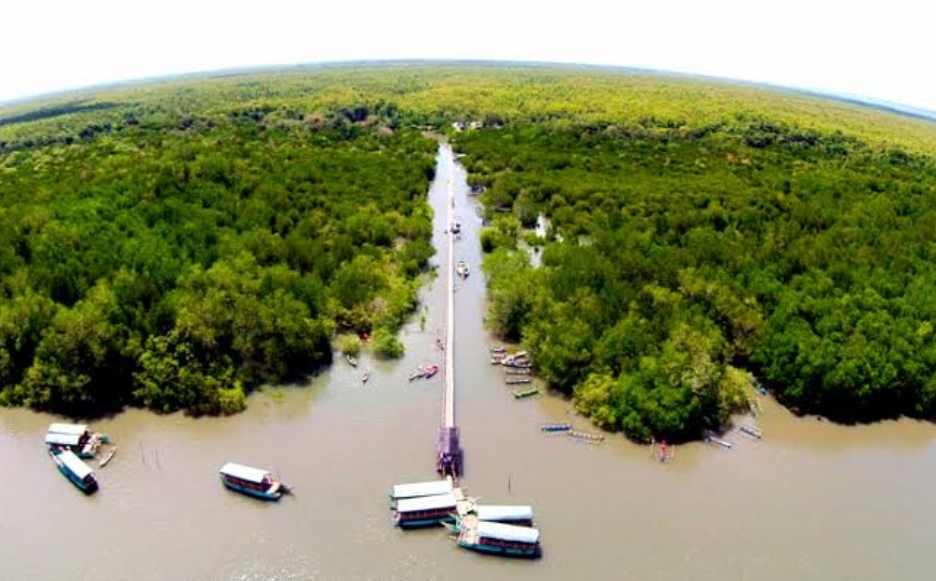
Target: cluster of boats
{"type": "Point", "coordinates": [494, 529]}
{"type": "Point", "coordinates": [70, 445]}
{"type": "Point", "coordinates": [519, 367]}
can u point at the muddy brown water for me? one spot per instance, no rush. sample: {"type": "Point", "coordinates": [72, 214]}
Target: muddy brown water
{"type": "Point", "coordinates": [811, 501]}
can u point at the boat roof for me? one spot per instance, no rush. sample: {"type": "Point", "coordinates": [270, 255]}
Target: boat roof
{"type": "Point", "coordinates": [244, 472]}
{"type": "Point", "coordinates": [75, 465]}
{"type": "Point", "coordinates": [414, 489]}
{"type": "Point", "coordinates": [426, 502]}
{"type": "Point", "coordinates": [503, 512]}
{"type": "Point", "coordinates": [77, 429]}
{"type": "Point", "coordinates": [58, 439]}
{"type": "Point", "coordinates": [504, 532]}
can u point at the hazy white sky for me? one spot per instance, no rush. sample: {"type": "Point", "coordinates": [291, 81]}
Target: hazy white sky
{"type": "Point", "coordinates": [882, 49]}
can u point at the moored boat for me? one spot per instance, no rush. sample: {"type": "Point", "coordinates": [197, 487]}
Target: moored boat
{"type": "Point", "coordinates": [500, 539]}
{"type": "Point", "coordinates": [75, 437]}
{"type": "Point", "coordinates": [522, 393]}
{"type": "Point", "coordinates": [255, 482]}
{"type": "Point", "coordinates": [420, 489]}
{"type": "Point", "coordinates": [752, 431]}
{"type": "Point", "coordinates": [517, 380]}
{"type": "Point", "coordinates": [588, 436]}
{"type": "Point", "coordinates": [107, 457]}
{"type": "Point", "coordinates": [462, 269]}
{"type": "Point", "coordinates": [425, 510]}
{"type": "Point", "coordinates": [556, 427]}
{"type": "Point", "coordinates": [71, 466]}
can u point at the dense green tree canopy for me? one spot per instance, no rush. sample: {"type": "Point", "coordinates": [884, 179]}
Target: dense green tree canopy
{"type": "Point", "coordinates": [175, 244]}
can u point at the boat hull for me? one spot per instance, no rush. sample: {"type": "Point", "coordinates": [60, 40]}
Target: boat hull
{"type": "Point", "coordinates": [262, 495]}
{"type": "Point", "coordinates": [86, 487]}
{"type": "Point", "coordinates": [520, 552]}
{"type": "Point", "coordinates": [426, 522]}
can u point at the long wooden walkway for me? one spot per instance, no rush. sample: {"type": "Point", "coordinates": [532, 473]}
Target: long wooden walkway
{"type": "Point", "coordinates": [449, 459]}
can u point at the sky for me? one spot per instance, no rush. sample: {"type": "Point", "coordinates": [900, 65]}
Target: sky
{"type": "Point", "coordinates": [876, 49]}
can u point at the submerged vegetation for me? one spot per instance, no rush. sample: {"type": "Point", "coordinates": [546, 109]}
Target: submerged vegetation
{"type": "Point", "coordinates": [174, 245]}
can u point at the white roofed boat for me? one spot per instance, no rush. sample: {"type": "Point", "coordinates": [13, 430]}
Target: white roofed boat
{"type": "Point", "coordinates": [505, 532]}
{"type": "Point", "coordinates": [72, 429]}
{"type": "Point", "coordinates": [253, 481]}
{"type": "Point", "coordinates": [436, 501]}
{"type": "Point", "coordinates": [504, 513]}
{"type": "Point", "coordinates": [417, 489]}
{"type": "Point", "coordinates": [60, 439]}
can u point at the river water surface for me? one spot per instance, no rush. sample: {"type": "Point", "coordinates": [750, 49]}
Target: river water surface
{"type": "Point", "coordinates": [811, 501]}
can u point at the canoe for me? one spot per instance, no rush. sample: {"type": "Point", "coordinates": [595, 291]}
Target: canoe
{"type": "Point", "coordinates": [366, 376]}
{"type": "Point", "coordinates": [752, 431]}
{"type": "Point", "coordinates": [107, 457]}
{"type": "Point", "coordinates": [521, 393]}
{"type": "Point", "coordinates": [556, 427]}
{"type": "Point", "coordinates": [351, 361]}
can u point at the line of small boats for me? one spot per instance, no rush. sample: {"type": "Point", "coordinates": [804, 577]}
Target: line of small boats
{"type": "Point", "coordinates": [493, 529]}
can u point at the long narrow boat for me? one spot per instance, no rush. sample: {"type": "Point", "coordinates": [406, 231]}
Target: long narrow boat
{"type": "Point", "coordinates": [108, 457]}
{"type": "Point", "coordinates": [522, 393]}
{"type": "Point", "coordinates": [588, 436]}
{"type": "Point", "coordinates": [351, 360]}
{"type": "Point", "coordinates": [419, 489]}
{"type": "Point", "coordinates": [752, 431]}
{"type": "Point", "coordinates": [556, 427]}
{"type": "Point", "coordinates": [251, 481]}
{"type": "Point", "coordinates": [79, 473]}
{"type": "Point", "coordinates": [425, 510]}
{"type": "Point", "coordinates": [500, 539]}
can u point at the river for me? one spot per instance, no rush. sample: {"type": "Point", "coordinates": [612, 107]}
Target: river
{"type": "Point", "coordinates": [811, 501]}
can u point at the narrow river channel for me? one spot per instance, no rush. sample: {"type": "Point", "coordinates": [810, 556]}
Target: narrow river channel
{"type": "Point", "coordinates": [811, 501]}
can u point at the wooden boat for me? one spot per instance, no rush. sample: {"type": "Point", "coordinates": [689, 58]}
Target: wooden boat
{"type": "Point", "coordinates": [500, 539]}
{"type": "Point", "coordinates": [752, 431]}
{"type": "Point", "coordinates": [522, 393]}
{"type": "Point", "coordinates": [365, 376]}
{"type": "Point", "coordinates": [420, 372]}
{"type": "Point", "coordinates": [420, 489]}
{"type": "Point", "coordinates": [251, 481]}
{"type": "Point", "coordinates": [77, 472]}
{"type": "Point", "coordinates": [351, 360]}
{"type": "Point", "coordinates": [75, 437]}
{"type": "Point", "coordinates": [556, 427]}
{"type": "Point", "coordinates": [517, 380]}
{"type": "Point", "coordinates": [462, 269]}
{"type": "Point", "coordinates": [711, 437]}
{"type": "Point", "coordinates": [585, 436]}
{"type": "Point", "coordinates": [107, 457]}
{"type": "Point", "coordinates": [497, 349]}
{"type": "Point", "coordinates": [430, 371]}
{"type": "Point", "coordinates": [425, 510]}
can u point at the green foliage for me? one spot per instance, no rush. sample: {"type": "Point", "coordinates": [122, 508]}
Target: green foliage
{"type": "Point", "coordinates": [348, 343]}
{"type": "Point", "coordinates": [387, 345]}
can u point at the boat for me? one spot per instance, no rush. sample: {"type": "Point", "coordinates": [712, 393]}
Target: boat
{"type": "Point", "coordinates": [499, 349]}
{"type": "Point", "coordinates": [456, 227]}
{"type": "Point", "coordinates": [430, 371]}
{"type": "Point", "coordinates": [420, 372]}
{"type": "Point", "coordinates": [518, 371]}
{"type": "Point", "coordinates": [522, 393]}
{"type": "Point", "coordinates": [500, 539]}
{"type": "Point", "coordinates": [107, 457]}
{"type": "Point", "coordinates": [518, 514]}
{"type": "Point", "coordinates": [556, 427]}
{"type": "Point", "coordinates": [73, 468]}
{"type": "Point", "coordinates": [251, 481]}
{"type": "Point", "coordinates": [588, 436]}
{"type": "Point", "coordinates": [711, 437]}
{"type": "Point", "coordinates": [351, 360]}
{"type": "Point", "coordinates": [517, 380]}
{"type": "Point", "coordinates": [425, 510]}
{"type": "Point", "coordinates": [75, 437]}
{"type": "Point", "coordinates": [752, 431]}
{"type": "Point", "coordinates": [365, 376]}
{"type": "Point", "coordinates": [758, 386]}
{"type": "Point", "coordinates": [420, 489]}
{"type": "Point", "coordinates": [462, 269]}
